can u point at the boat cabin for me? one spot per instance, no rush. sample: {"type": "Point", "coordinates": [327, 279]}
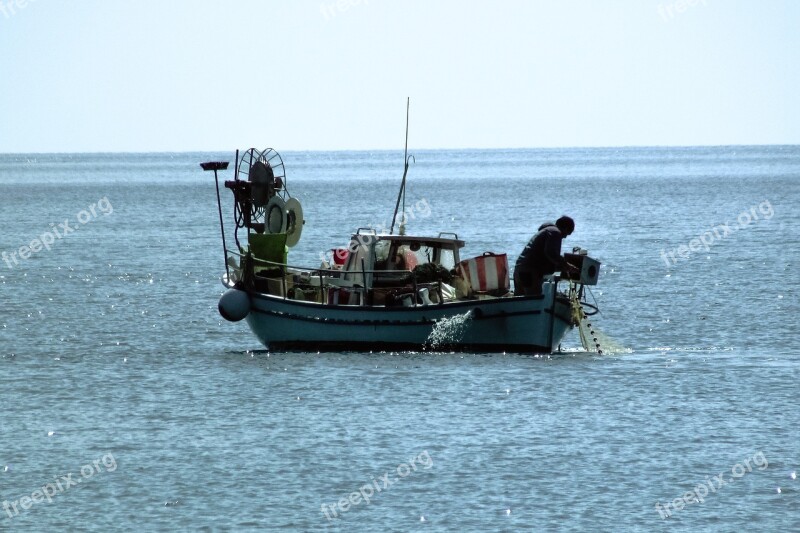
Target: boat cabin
{"type": "Point", "coordinates": [389, 260]}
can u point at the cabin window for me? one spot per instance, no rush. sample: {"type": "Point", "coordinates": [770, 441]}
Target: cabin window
{"type": "Point", "coordinates": [447, 258]}
{"type": "Point", "coordinates": [425, 254]}
{"type": "Point", "coordinates": [405, 255]}
{"type": "Point", "coordinates": [398, 257]}
{"type": "Point", "coordinates": [382, 255]}
{"type": "Point", "coordinates": [407, 258]}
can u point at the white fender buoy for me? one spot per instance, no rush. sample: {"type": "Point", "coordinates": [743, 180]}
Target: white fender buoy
{"type": "Point", "coordinates": [234, 305]}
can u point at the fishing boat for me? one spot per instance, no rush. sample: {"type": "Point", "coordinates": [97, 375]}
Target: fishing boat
{"type": "Point", "coordinates": [385, 291]}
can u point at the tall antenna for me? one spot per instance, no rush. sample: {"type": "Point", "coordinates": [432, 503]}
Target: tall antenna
{"type": "Point", "coordinates": [402, 193]}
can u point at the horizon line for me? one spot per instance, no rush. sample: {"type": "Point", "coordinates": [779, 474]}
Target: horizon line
{"type": "Point", "coordinates": [339, 150]}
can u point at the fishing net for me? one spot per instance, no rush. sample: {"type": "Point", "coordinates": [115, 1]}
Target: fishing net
{"type": "Point", "coordinates": [592, 339]}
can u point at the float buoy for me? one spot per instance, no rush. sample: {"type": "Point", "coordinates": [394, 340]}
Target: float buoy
{"type": "Point", "coordinates": [234, 305]}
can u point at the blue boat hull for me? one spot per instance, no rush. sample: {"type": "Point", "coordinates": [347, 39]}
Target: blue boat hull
{"type": "Point", "coordinates": [510, 324]}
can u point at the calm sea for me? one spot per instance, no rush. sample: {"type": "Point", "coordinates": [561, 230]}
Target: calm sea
{"type": "Point", "coordinates": [127, 403]}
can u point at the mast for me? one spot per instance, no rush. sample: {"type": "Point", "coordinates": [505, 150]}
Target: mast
{"type": "Point", "coordinates": [402, 193]}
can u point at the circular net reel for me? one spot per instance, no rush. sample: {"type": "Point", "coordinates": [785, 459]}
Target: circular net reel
{"type": "Point", "coordinates": [263, 203]}
{"type": "Point", "coordinates": [264, 171]}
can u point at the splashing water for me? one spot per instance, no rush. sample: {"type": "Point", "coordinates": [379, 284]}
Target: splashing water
{"type": "Point", "coordinates": [448, 330]}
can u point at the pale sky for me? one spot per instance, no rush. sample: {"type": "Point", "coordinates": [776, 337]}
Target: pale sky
{"type": "Point", "coordinates": [186, 75]}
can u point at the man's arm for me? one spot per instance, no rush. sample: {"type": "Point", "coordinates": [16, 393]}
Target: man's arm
{"type": "Point", "coordinates": [552, 251]}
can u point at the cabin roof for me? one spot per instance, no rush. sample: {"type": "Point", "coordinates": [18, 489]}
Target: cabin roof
{"type": "Point", "coordinates": [435, 241]}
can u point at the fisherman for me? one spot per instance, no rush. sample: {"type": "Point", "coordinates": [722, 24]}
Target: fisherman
{"type": "Point", "coordinates": [542, 256]}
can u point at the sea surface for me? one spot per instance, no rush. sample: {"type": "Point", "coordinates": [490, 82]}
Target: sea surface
{"type": "Point", "coordinates": [128, 403]}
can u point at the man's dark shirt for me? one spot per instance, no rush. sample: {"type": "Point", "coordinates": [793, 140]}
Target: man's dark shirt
{"type": "Point", "coordinates": [543, 253]}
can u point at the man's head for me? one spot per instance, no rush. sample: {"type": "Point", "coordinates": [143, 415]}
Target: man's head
{"type": "Point", "coordinates": [566, 225]}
